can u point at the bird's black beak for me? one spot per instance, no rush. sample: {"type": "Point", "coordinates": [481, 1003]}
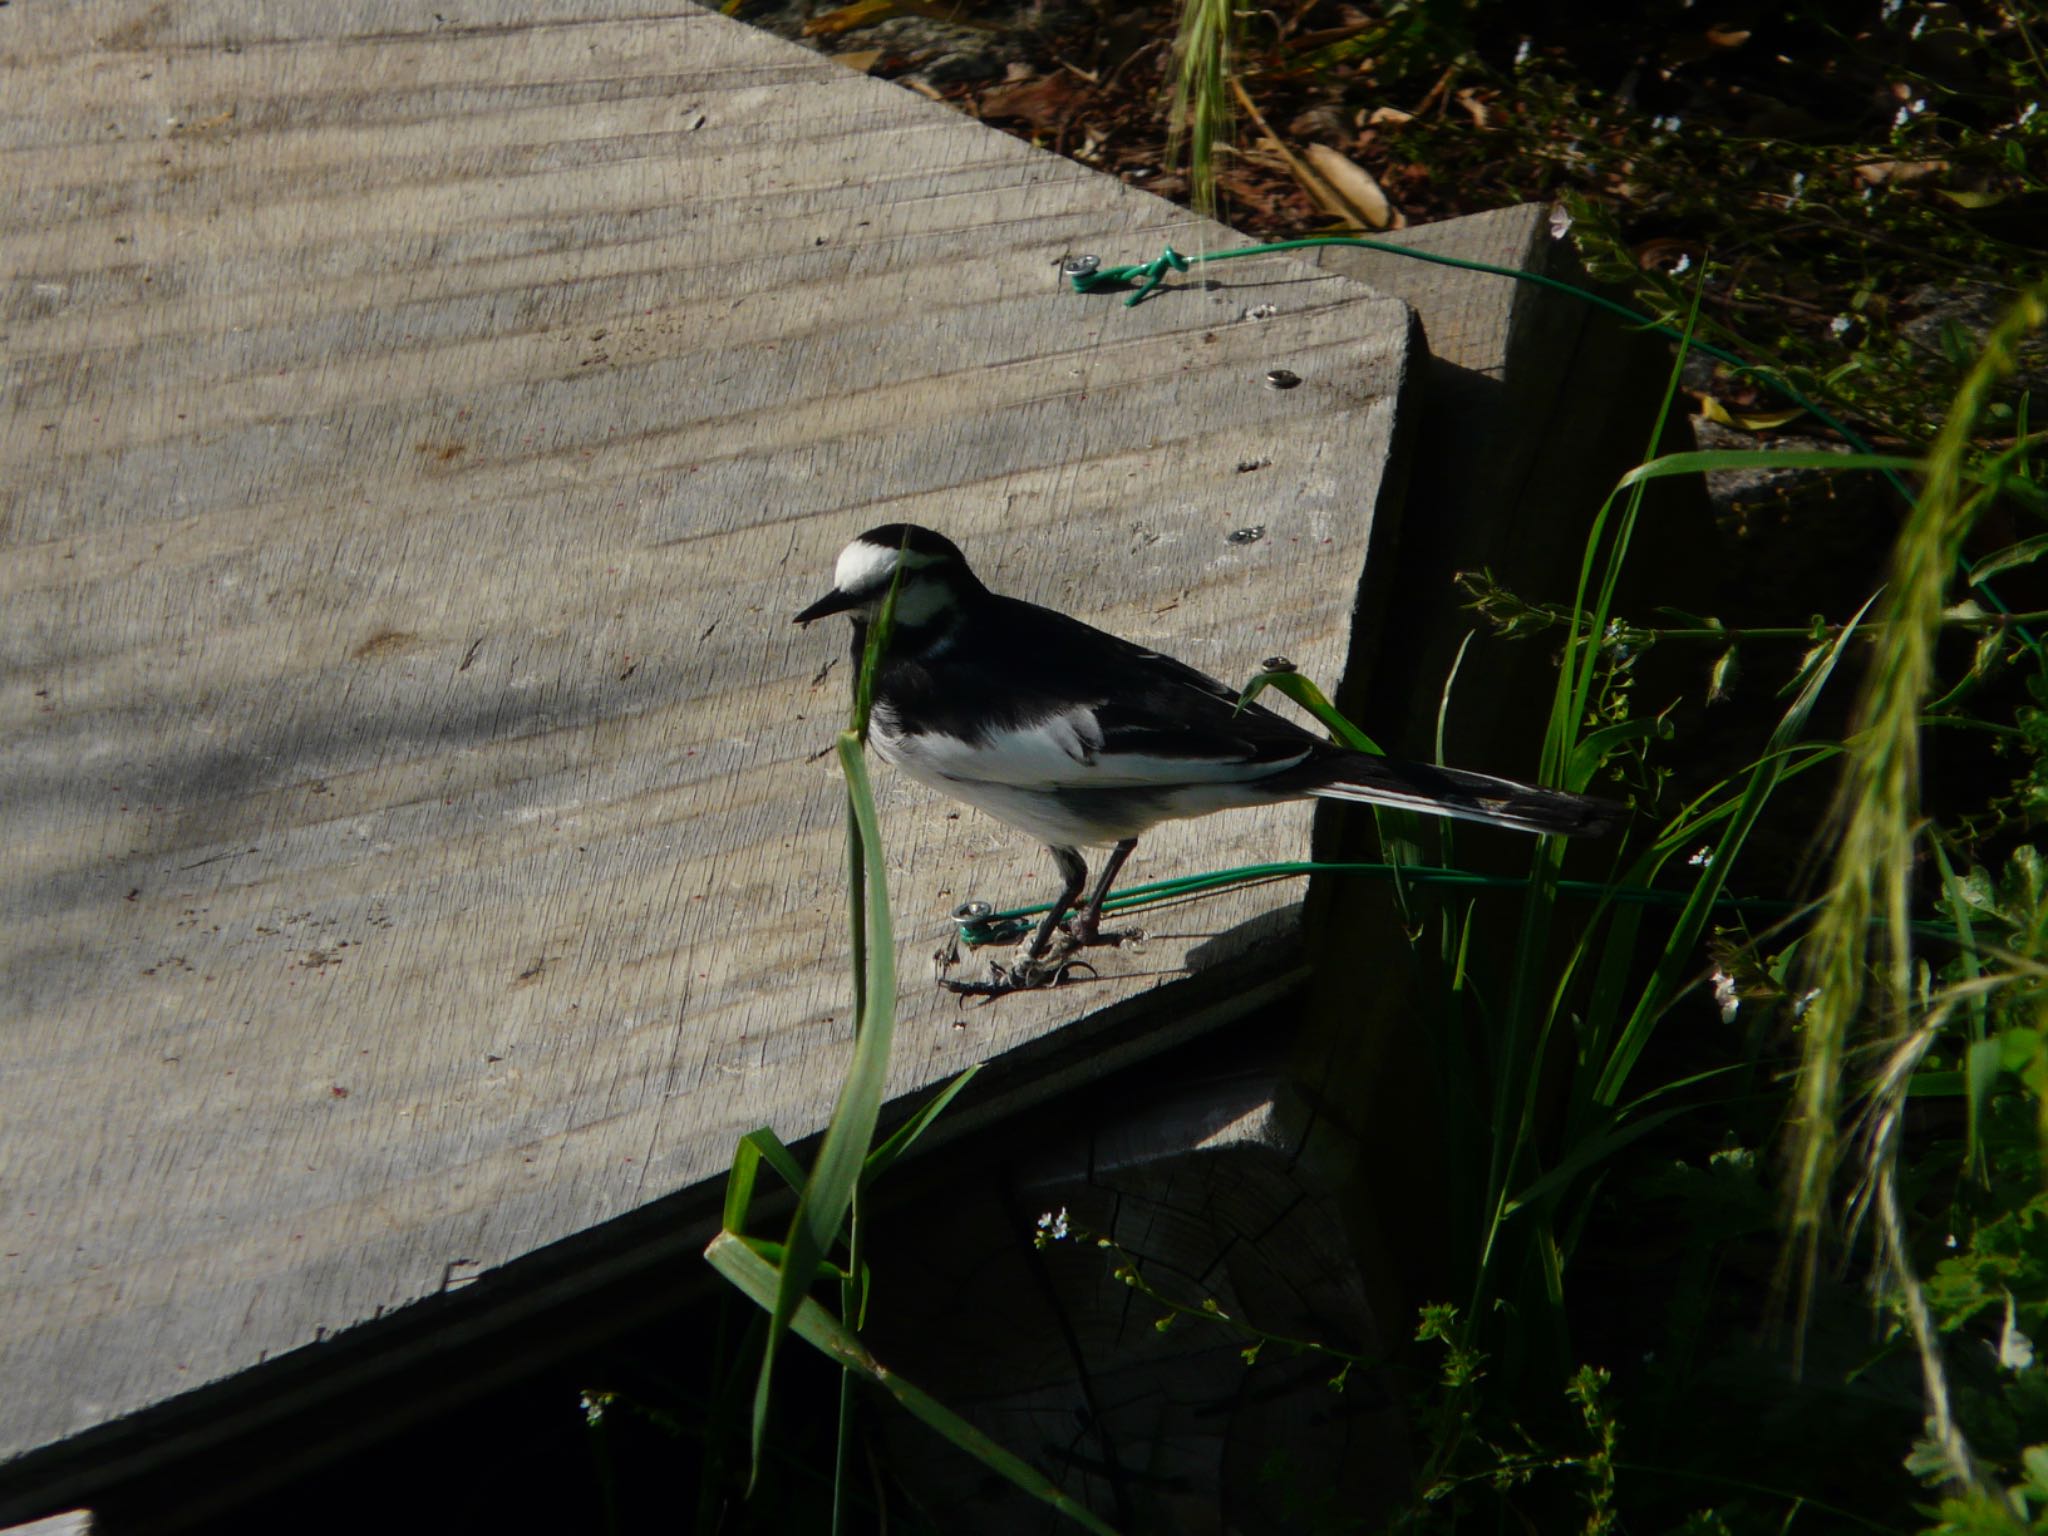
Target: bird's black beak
{"type": "Point", "coordinates": [832, 602]}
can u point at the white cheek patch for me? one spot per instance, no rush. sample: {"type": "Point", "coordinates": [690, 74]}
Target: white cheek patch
{"type": "Point", "coordinates": [917, 602]}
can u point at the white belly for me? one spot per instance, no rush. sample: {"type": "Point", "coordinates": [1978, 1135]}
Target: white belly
{"type": "Point", "coordinates": [1065, 817]}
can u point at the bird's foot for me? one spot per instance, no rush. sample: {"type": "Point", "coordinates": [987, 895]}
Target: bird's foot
{"type": "Point", "coordinates": [1027, 972]}
{"type": "Point", "coordinates": [1087, 933]}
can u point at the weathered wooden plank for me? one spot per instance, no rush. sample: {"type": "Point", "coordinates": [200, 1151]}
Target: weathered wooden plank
{"type": "Point", "coordinates": [415, 440]}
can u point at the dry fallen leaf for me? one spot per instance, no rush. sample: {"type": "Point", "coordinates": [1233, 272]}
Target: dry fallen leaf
{"type": "Point", "coordinates": [865, 13]}
{"type": "Point", "coordinates": [1758, 421]}
{"type": "Point", "coordinates": [1323, 123]}
{"type": "Point", "coordinates": [862, 13]}
{"type": "Point", "coordinates": [1381, 115]}
{"type": "Point", "coordinates": [1044, 103]}
{"type": "Point", "coordinates": [1358, 196]}
{"type": "Point", "coordinates": [1878, 173]}
{"type": "Point", "coordinates": [1468, 98]}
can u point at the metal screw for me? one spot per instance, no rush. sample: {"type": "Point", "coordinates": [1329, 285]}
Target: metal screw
{"type": "Point", "coordinates": [1250, 535]}
{"type": "Point", "coordinates": [1277, 664]}
{"type": "Point", "coordinates": [1081, 266]}
{"type": "Point", "coordinates": [973, 911]}
{"type": "Point", "coordinates": [1281, 378]}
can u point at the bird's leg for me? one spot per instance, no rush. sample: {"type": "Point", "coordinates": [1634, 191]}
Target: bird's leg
{"type": "Point", "coordinates": [1086, 928]}
{"type": "Point", "coordinates": [1047, 956]}
{"type": "Point", "coordinates": [1039, 961]}
{"type": "Point", "coordinates": [1074, 878]}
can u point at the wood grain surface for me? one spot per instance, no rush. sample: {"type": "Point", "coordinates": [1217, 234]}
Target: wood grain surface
{"type": "Point", "coordinates": [417, 431]}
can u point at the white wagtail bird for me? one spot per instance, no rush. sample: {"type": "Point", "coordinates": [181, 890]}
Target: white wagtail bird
{"type": "Point", "coordinates": [1086, 740]}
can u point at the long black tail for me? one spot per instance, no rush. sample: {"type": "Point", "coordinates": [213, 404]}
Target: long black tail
{"type": "Point", "coordinates": [1453, 792]}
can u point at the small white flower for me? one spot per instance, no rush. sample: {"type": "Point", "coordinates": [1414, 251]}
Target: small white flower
{"type": "Point", "coordinates": [1683, 264]}
{"type": "Point", "coordinates": [1703, 857]}
{"type": "Point", "coordinates": [2027, 114]}
{"type": "Point", "coordinates": [1054, 1224]}
{"type": "Point", "coordinates": [1841, 325]}
{"type": "Point", "coordinates": [1892, 8]}
{"type": "Point", "coordinates": [1919, 26]}
{"type": "Point", "coordinates": [1561, 219]}
{"type": "Point", "coordinates": [1725, 995]}
{"type": "Point", "coordinates": [1804, 1002]}
{"type": "Point", "coordinates": [2015, 1349]}
{"type": "Point", "coordinates": [1798, 185]}
{"type": "Point", "coordinates": [1522, 52]}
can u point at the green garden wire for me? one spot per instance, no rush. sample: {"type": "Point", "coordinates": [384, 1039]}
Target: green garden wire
{"type": "Point", "coordinates": [979, 926]}
{"type": "Point", "coordinates": [999, 927]}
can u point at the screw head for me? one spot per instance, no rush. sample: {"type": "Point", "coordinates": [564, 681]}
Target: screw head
{"type": "Point", "coordinates": [1081, 266]}
{"type": "Point", "coordinates": [973, 911]}
{"type": "Point", "coordinates": [1282, 378]}
{"type": "Point", "coordinates": [1250, 535]}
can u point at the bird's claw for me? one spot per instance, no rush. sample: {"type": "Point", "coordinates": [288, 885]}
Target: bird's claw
{"type": "Point", "coordinates": [1028, 972]}
{"type": "Point", "coordinates": [1083, 934]}
{"type": "Point", "coordinates": [1005, 979]}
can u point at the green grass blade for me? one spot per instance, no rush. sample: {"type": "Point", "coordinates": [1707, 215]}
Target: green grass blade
{"type": "Point", "coordinates": [755, 1148]}
{"type": "Point", "coordinates": [829, 1193]}
{"type": "Point", "coordinates": [1595, 747]}
{"type": "Point", "coordinates": [827, 1196]}
{"type": "Point", "coordinates": [739, 1185]}
{"type": "Point", "coordinates": [1676, 962]}
{"type": "Point", "coordinates": [1707, 460]}
{"type": "Point", "coordinates": [1535, 1004]}
{"type": "Point", "coordinates": [1584, 1155]}
{"type": "Point", "coordinates": [1443, 703]}
{"type": "Point", "coordinates": [2013, 556]}
{"type": "Point", "coordinates": [1400, 830]}
{"type": "Point", "coordinates": [1582, 652]}
{"type": "Point", "coordinates": [1872, 858]}
{"type": "Point", "coordinates": [1199, 112]}
{"type": "Point", "coordinates": [857, 896]}
{"type": "Point", "coordinates": [758, 1280]}
{"type": "Point", "coordinates": [884, 1157]}
{"type": "Point", "coordinates": [1315, 701]}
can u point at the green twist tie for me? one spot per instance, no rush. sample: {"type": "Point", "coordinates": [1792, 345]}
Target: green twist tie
{"type": "Point", "coordinates": [1146, 275]}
